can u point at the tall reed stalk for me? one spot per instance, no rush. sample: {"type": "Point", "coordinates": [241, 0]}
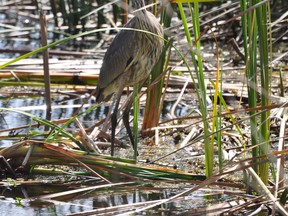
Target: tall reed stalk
{"type": "Point", "coordinates": [255, 38]}
{"type": "Point", "coordinates": [201, 92]}
{"type": "Point", "coordinates": [262, 18]}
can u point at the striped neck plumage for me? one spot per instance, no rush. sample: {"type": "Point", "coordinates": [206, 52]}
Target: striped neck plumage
{"type": "Point", "coordinates": [139, 7]}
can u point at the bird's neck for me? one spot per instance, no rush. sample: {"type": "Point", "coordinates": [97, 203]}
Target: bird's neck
{"type": "Point", "coordinates": [138, 6]}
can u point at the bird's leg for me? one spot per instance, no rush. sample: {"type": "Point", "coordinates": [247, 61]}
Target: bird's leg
{"type": "Point", "coordinates": [126, 122]}
{"type": "Point", "coordinates": [126, 113]}
{"type": "Point", "coordinates": [114, 119]}
{"type": "Point", "coordinates": [106, 123]}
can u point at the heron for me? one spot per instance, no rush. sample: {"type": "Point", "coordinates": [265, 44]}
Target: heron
{"type": "Point", "coordinates": [129, 59]}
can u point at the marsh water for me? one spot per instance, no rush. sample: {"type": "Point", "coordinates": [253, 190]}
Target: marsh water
{"type": "Point", "coordinates": [20, 198]}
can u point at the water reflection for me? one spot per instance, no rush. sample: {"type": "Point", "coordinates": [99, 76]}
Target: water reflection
{"type": "Point", "coordinates": [63, 107]}
{"type": "Point", "coordinates": [88, 200]}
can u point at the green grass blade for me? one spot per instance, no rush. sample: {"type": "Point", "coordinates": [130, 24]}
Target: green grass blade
{"type": "Point", "coordinates": [262, 18]}
{"type": "Point", "coordinates": [44, 122]}
{"type": "Point", "coordinates": [201, 92]}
